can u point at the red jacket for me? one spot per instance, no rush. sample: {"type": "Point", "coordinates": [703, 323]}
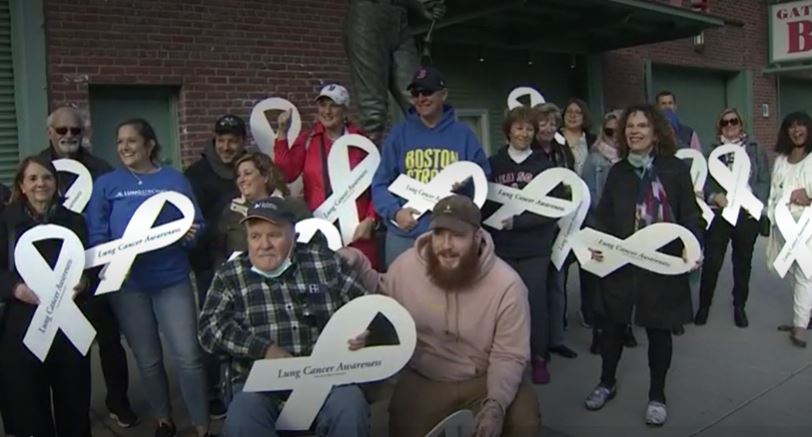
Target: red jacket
{"type": "Point", "coordinates": [305, 159]}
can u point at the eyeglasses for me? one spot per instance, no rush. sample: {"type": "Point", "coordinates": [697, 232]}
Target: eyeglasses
{"type": "Point", "coordinates": [64, 130]}
{"type": "Point", "coordinates": [729, 122]}
{"type": "Point", "coordinates": [422, 92]}
{"type": "Point", "coordinates": [609, 132]}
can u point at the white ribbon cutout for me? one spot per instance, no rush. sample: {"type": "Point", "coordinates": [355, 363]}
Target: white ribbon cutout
{"type": "Point", "coordinates": [571, 224]}
{"type": "Point", "coordinates": [459, 424]}
{"type": "Point", "coordinates": [535, 97]}
{"type": "Point", "coordinates": [306, 229]}
{"type": "Point", "coordinates": [797, 237]}
{"type": "Point", "coordinates": [734, 182]}
{"type": "Point", "coordinates": [139, 237]}
{"type": "Point", "coordinates": [332, 363]}
{"type": "Point", "coordinates": [699, 173]}
{"type": "Point", "coordinates": [423, 197]}
{"type": "Point", "coordinates": [639, 249]}
{"type": "Point", "coordinates": [54, 288]}
{"type": "Point", "coordinates": [261, 129]}
{"type": "Point", "coordinates": [78, 195]}
{"type": "Point", "coordinates": [348, 184]}
{"type": "Point", "coordinates": [534, 197]}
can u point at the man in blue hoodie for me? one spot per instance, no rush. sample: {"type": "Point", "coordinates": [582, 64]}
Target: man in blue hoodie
{"type": "Point", "coordinates": [420, 147]}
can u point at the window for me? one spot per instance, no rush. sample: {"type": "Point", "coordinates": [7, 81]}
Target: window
{"type": "Point", "coordinates": [479, 122]}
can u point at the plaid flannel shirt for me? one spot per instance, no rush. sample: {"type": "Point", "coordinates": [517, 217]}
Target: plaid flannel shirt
{"type": "Point", "coordinates": [245, 313]}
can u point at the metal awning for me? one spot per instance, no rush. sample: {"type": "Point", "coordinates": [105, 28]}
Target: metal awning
{"type": "Point", "coordinates": [571, 26]}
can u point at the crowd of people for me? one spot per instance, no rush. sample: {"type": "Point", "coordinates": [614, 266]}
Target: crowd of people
{"type": "Point", "coordinates": [489, 304]}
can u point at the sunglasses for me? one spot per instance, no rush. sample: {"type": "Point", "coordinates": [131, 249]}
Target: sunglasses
{"type": "Point", "coordinates": [729, 122]}
{"type": "Point", "coordinates": [609, 132]}
{"type": "Point", "coordinates": [422, 92]}
{"type": "Point", "coordinates": [64, 130]}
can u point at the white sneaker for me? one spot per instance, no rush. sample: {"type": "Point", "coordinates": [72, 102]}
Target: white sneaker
{"type": "Point", "coordinates": [656, 414]}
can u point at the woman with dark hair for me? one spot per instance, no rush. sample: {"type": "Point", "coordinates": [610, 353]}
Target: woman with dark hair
{"type": "Point", "coordinates": [742, 238]}
{"type": "Point", "coordinates": [792, 173]}
{"type": "Point", "coordinates": [577, 122]}
{"type": "Point", "coordinates": [157, 295]}
{"type": "Point", "coordinates": [31, 386]}
{"type": "Point", "coordinates": [663, 192]}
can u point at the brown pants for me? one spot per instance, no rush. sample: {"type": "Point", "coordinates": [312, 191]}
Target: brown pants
{"type": "Point", "coordinates": [419, 404]}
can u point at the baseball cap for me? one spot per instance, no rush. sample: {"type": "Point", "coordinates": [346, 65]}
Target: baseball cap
{"type": "Point", "coordinates": [457, 213]}
{"type": "Point", "coordinates": [271, 209]}
{"type": "Point", "coordinates": [427, 78]}
{"type": "Point", "coordinates": [230, 124]}
{"type": "Point", "coordinates": [336, 93]}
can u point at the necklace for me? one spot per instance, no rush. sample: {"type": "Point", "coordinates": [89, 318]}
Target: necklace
{"type": "Point", "coordinates": [141, 181]}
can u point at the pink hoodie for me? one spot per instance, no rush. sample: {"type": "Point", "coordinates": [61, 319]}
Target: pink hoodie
{"type": "Point", "coordinates": [484, 329]}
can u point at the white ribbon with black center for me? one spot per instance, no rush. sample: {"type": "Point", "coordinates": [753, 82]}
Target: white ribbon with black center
{"type": "Point", "coordinates": [54, 288]}
{"type": "Point", "coordinates": [797, 237]}
{"type": "Point", "coordinates": [735, 182]}
{"type": "Point", "coordinates": [459, 424]}
{"type": "Point", "coordinates": [348, 184]}
{"type": "Point", "coordinates": [423, 197]}
{"type": "Point", "coordinates": [640, 249]}
{"type": "Point", "coordinates": [699, 174]}
{"type": "Point", "coordinates": [139, 237]}
{"type": "Point", "coordinates": [534, 197]}
{"type": "Point", "coordinates": [306, 229]}
{"type": "Point", "coordinates": [261, 129]}
{"type": "Point", "coordinates": [535, 97]}
{"type": "Point", "coordinates": [78, 195]}
{"type": "Point", "coordinates": [332, 363]}
{"type": "Point", "coordinates": [571, 224]}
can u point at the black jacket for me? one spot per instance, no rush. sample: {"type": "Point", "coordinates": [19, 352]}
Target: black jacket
{"type": "Point", "coordinates": [95, 165]}
{"type": "Point", "coordinates": [661, 301]}
{"type": "Point", "coordinates": [532, 235]}
{"type": "Point", "coordinates": [559, 155]}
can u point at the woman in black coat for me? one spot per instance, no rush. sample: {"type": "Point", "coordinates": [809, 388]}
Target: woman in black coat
{"type": "Point", "coordinates": [63, 380]}
{"type": "Point", "coordinates": [647, 186]}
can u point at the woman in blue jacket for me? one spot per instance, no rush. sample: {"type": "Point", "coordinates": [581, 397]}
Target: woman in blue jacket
{"type": "Point", "coordinates": [157, 295]}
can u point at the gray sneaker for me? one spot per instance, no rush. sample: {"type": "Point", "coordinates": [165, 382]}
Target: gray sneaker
{"type": "Point", "coordinates": [598, 398]}
{"type": "Point", "coordinates": [656, 414]}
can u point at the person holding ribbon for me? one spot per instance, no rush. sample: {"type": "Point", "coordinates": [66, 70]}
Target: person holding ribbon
{"type": "Point", "coordinates": [30, 386]}
{"type": "Point", "coordinates": [157, 294]}
{"type": "Point", "coordinates": [664, 193]}
{"type": "Point", "coordinates": [742, 237]}
{"type": "Point", "coordinates": [273, 302]}
{"type": "Point", "coordinates": [792, 177]}
{"type": "Point", "coordinates": [308, 157]}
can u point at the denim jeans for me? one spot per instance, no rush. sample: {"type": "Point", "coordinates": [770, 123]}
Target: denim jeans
{"type": "Point", "coordinates": [171, 310]}
{"type": "Point", "coordinates": [345, 413]}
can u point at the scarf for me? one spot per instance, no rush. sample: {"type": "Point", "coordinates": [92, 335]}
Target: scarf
{"type": "Point", "coordinates": [652, 200]}
{"type": "Point", "coordinates": [607, 150]}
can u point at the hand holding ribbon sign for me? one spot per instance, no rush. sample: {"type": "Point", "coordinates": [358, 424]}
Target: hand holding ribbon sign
{"type": "Point", "coordinates": [348, 184]}
{"type": "Point", "coordinates": [571, 224]}
{"type": "Point", "coordinates": [535, 97]}
{"type": "Point", "coordinates": [699, 173]}
{"type": "Point", "coordinates": [261, 129]}
{"type": "Point", "coordinates": [639, 249]}
{"type": "Point", "coordinates": [332, 363]}
{"type": "Point", "coordinates": [534, 197]}
{"type": "Point", "coordinates": [78, 195]}
{"type": "Point", "coordinates": [797, 236]}
{"type": "Point", "coordinates": [139, 237]}
{"type": "Point", "coordinates": [459, 424]}
{"type": "Point", "coordinates": [422, 197]}
{"type": "Point", "coordinates": [55, 290]}
{"type": "Point", "coordinates": [735, 182]}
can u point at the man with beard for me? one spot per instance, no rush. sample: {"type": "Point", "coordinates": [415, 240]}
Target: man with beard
{"type": "Point", "coordinates": [473, 328]}
{"type": "Point", "coordinates": [213, 181]}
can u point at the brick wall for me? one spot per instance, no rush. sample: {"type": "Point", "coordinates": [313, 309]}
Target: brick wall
{"type": "Point", "coordinates": [727, 48]}
{"type": "Point", "coordinates": [224, 54]}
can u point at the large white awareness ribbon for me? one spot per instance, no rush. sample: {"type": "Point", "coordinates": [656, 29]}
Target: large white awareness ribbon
{"type": "Point", "coordinates": [459, 424]}
{"type": "Point", "coordinates": [306, 229]}
{"type": "Point", "coordinates": [735, 182]}
{"type": "Point", "coordinates": [534, 197]}
{"type": "Point", "coordinates": [55, 290]}
{"type": "Point", "coordinates": [797, 237]}
{"type": "Point", "coordinates": [699, 173]}
{"type": "Point", "coordinates": [571, 224]}
{"type": "Point", "coordinates": [78, 195]}
{"type": "Point", "coordinates": [536, 98]}
{"type": "Point", "coordinates": [348, 184]}
{"type": "Point", "coordinates": [423, 197]}
{"type": "Point", "coordinates": [139, 237]}
{"type": "Point", "coordinates": [261, 129]}
{"type": "Point", "coordinates": [332, 363]}
{"type": "Point", "coordinates": [639, 249]}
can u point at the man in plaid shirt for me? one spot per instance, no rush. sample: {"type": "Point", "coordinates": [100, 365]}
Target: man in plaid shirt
{"type": "Point", "coordinates": [273, 302]}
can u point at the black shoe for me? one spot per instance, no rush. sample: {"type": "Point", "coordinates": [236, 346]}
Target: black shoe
{"type": "Point", "coordinates": [701, 316]}
{"type": "Point", "coordinates": [124, 417]}
{"type": "Point", "coordinates": [680, 330]}
{"type": "Point", "coordinates": [564, 351]}
{"type": "Point", "coordinates": [166, 430]}
{"type": "Point", "coordinates": [740, 318]}
{"type": "Point", "coordinates": [629, 341]}
{"type": "Point", "coordinates": [217, 409]}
